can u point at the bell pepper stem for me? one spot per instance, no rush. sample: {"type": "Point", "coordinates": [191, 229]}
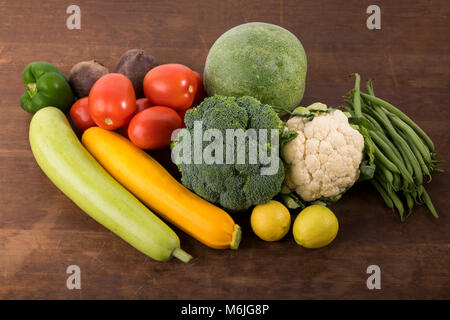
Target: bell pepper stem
{"type": "Point", "coordinates": [32, 89]}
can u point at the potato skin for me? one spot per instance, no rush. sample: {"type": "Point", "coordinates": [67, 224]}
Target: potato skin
{"type": "Point", "coordinates": [83, 75]}
{"type": "Point", "coordinates": [135, 63]}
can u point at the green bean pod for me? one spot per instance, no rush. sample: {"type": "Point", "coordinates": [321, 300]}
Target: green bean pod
{"type": "Point", "coordinates": [373, 121]}
{"type": "Point", "coordinates": [407, 174]}
{"type": "Point", "coordinates": [418, 156]}
{"type": "Point", "coordinates": [369, 87]}
{"type": "Point", "coordinates": [396, 182]}
{"type": "Point", "coordinates": [382, 179]}
{"type": "Point", "coordinates": [357, 97]}
{"type": "Point", "coordinates": [384, 171]}
{"type": "Point", "coordinates": [402, 116]}
{"type": "Point", "coordinates": [388, 151]}
{"type": "Point", "coordinates": [384, 160]}
{"type": "Point", "coordinates": [403, 145]}
{"type": "Point", "coordinates": [383, 193]}
{"type": "Point", "coordinates": [410, 203]}
{"type": "Point", "coordinates": [398, 204]}
{"type": "Point", "coordinates": [427, 200]}
{"type": "Point", "coordinates": [386, 140]}
{"type": "Point", "coordinates": [414, 138]}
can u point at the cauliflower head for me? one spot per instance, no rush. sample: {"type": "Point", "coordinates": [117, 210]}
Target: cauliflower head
{"type": "Point", "coordinates": [323, 160]}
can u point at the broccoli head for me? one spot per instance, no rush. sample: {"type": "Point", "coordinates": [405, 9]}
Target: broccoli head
{"type": "Point", "coordinates": [232, 184]}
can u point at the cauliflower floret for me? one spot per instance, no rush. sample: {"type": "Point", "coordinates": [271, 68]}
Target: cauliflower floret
{"type": "Point", "coordinates": [323, 160]}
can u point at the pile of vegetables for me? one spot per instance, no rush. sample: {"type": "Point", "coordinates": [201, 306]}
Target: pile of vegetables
{"type": "Point", "coordinates": [253, 74]}
{"type": "Point", "coordinates": [108, 100]}
{"type": "Point", "coordinates": [402, 152]}
{"type": "Point", "coordinates": [95, 175]}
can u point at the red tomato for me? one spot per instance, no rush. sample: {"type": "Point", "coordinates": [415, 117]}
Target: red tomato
{"type": "Point", "coordinates": [124, 131]}
{"type": "Point", "coordinates": [171, 85]}
{"type": "Point", "coordinates": [152, 128]}
{"type": "Point", "coordinates": [112, 101]}
{"type": "Point", "coordinates": [79, 113]}
{"type": "Point", "coordinates": [200, 95]}
{"type": "Point", "coordinates": [142, 104]}
{"type": "Point", "coordinates": [182, 115]}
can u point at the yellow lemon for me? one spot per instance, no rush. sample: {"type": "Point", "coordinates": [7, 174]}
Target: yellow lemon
{"type": "Point", "coordinates": [315, 227]}
{"type": "Point", "coordinates": [270, 221]}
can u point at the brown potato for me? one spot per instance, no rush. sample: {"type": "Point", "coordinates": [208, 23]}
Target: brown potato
{"type": "Point", "coordinates": [83, 75]}
{"type": "Point", "coordinates": [135, 64]}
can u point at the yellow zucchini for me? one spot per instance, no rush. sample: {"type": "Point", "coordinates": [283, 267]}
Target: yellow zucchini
{"type": "Point", "coordinates": [149, 181]}
{"type": "Point", "coordinates": [75, 172]}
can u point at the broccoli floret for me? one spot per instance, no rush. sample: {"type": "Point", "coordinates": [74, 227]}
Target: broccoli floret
{"type": "Point", "coordinates": [261, 116]}
{"type": "Point", "coordinates": [229, 116]}
{"type": "Point", "coordinates": [263, 187]}
{"type": "Point", "coordinates": [234, 186]}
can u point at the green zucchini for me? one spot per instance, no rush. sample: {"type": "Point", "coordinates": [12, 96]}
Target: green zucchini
{"type": "Point", "coordinates": [80, 177]}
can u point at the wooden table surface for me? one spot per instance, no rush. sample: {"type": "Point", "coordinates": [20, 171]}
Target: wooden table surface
{"type": "Point", "coordinates": [42, 232]}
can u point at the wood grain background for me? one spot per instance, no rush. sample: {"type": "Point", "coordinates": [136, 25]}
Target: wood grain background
{"type": "Point", "coordinates": [42, 232]}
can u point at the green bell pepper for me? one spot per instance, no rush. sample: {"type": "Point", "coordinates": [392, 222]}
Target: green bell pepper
{"type": "Point", "coordinates": [46, 86]}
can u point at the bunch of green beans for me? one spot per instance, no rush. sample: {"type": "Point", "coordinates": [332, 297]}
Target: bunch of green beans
{"type": "Point", "coordinates": [401, 151]}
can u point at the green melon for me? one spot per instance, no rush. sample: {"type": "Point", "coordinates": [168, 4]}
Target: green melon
{"type": "Point", "coordinates": [257, 59]}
